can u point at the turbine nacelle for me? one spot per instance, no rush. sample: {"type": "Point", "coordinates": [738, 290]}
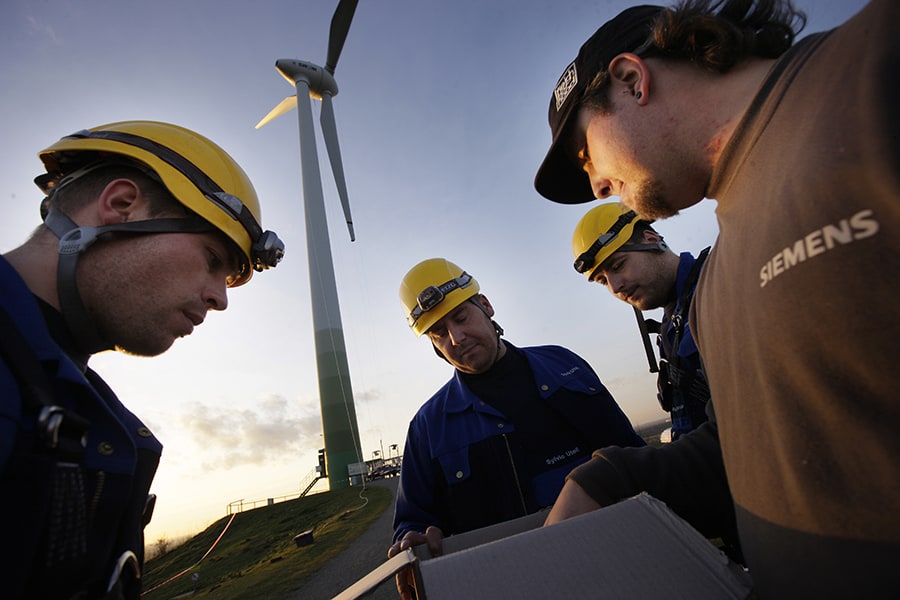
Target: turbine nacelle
{"type": "Point", "coordinates": [319, 80]}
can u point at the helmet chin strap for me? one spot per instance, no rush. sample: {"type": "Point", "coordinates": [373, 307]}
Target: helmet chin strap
{"type": "Point", "coordinates": [497, 328]}
{"type": "Point", "coordinates": [73, 240]}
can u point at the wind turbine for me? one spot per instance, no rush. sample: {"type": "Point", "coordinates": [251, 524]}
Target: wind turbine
{"type": "Point", "coordinates": [340, 429]}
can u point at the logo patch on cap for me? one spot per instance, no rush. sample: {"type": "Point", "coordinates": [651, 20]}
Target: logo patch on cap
{"type": "Point", "coordinates": [565, 85]}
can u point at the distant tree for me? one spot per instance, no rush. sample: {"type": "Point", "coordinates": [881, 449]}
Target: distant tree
{"type": "Point", "coordinates": [163, 546]}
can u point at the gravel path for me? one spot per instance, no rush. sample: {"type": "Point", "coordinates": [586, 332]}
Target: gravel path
{"type": "Point", "coordinates": [367, 552]}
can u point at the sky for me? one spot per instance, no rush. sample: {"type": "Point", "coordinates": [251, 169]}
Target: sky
{"type": "Point", "coordinates": [441, 116]}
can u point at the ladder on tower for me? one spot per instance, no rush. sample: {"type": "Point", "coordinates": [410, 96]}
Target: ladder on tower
{"type": "Point", "coordinates": [309, 481]}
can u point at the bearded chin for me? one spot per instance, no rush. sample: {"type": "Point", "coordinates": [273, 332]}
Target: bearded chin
{"type": "Point", "coordinates": [649, 201]}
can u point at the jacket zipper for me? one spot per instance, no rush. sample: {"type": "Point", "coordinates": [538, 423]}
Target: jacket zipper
{"type": "Point", "coordinates": [512, 463]}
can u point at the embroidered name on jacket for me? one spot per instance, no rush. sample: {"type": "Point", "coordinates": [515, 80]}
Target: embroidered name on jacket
{"type": "Point", "coordinates": [858, 227]}
{"type": "Point", "coordinates": [560, 457]}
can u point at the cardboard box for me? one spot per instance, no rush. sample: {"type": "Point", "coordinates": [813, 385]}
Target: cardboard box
{"type": "Point", "coordinates": [477, 537]}
{"type": "Point", "coordinates": [637, 548]}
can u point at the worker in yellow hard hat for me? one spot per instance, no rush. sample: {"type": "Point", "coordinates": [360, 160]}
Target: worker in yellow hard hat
{"type": "Point", "coordinates": [616, 248]}
{"type": "Point", "coordinates": [496, 441]}
{"type": "Point", "coordinates": [146, 225]}
{"type": "Point", "coordinates": [428, 303]}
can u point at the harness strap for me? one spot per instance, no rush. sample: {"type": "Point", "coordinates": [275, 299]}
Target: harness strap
{"type": "Point", "coordinates": [683, 304]}
{"type": "Point", "coordinates": [48, 495]}
{"type": "Point", "coordinates": [670, 372]}
{"type": "Point", "coordinates": [61, 430]}
{"type": "Point", "coordinates": [33, 381]}
{"type": "Point", "coordinates": [646, 326]}
{"type": "Point", "coordinates": [55, 515]}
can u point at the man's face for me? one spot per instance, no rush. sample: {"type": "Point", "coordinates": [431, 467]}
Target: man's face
{"type": "Point", "coordinates": [144, 291]}
{"type": "Point", "coordinates": [634, 154]}
{"type": "Point", "coordinates": [466, 337]}
{"type": "Point", "coordinates": [642, 279]}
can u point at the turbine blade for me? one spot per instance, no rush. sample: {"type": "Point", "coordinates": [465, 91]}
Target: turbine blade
{"type": "Point", "coordinates": [340, 25]}
{"type": "Point", "coordinates": [286, 105]}
{"type": "Point", "coordinates": [329, 132]}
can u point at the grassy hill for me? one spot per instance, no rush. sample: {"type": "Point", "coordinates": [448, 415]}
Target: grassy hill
{"type": "Point", "coordinates": [256, 556]}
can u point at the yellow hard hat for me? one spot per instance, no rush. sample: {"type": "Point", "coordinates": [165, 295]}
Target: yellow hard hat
{"type": "Point", "coordinates": [197, 172]}
{"type": "Point", "coordinates": [433, 288]}
{"type": "Point", "coordinates": [601, 231]}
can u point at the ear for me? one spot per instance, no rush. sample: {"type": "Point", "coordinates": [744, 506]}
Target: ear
{"type": "Point", "coordinates": [486, 305]}
{"type": "Point", "coordinates": [651, 237]}
{"type": "Point", "coordinates": [120, 201]}
{"type": "Point", "coordinates": [630, 75]}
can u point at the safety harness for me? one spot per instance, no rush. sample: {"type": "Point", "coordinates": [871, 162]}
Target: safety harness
{"type": "Point", "coordinates": [56, 512]}
{"type": "Point", "coordinates": [53, 518]}
{"type": "Point", "coordinates": [671, 375]}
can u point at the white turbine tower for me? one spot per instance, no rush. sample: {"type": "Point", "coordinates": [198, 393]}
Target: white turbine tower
{"type": "Point", "coordinates": [341, 433]}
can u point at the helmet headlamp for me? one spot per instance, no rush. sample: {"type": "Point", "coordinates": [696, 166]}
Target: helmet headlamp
{"type": "Point", "coordinates": [433, 295]}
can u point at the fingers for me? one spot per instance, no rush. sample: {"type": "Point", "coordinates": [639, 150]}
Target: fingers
{"type": "Point", "coordinates": [394, 550]}
{"type": "Point", "coordinates": [406, 584]}
{"type": "Point", "coordinates": [434, 537]}
{"type": "Point", "coordinates": [412, 538]}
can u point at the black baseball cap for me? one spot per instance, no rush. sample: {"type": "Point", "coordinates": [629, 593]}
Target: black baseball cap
{"type": "Point", "coordinates": [559, 179]}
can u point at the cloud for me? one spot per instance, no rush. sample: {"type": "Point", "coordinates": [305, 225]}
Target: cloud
{"type": "Point", "coordinates": [45, 30]}
{"type": "Point", "coordinates": [373, 395]}
{"type": "Point", "coordinates": [270, 430]}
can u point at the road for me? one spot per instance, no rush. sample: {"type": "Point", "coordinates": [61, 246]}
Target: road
{"type": "Point", "coordinates": [367, 552]}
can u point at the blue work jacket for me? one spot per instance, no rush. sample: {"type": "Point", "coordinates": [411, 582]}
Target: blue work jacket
{"type": "Point", "coordinates": [461, 467]}
{"type": "Point", "coordinates": [119, 461]}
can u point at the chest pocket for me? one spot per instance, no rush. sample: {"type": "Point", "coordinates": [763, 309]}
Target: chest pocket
{"type": "Point", "coordinates": [455, 465]}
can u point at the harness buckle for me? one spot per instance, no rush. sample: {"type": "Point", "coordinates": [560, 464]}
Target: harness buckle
{"type": "Point", "coordinates": [63, 430]}
{"type": "Point", "coordinates": [126, 559]}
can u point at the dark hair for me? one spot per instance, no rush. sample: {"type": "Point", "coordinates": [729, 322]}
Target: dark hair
{"type": "Point", "coordinates": [720, 34]}
{"type": "Point", "coordinates": [78, 192]}
{"type": "Point", "coordinates": [715, 35]}
{"type": "Point", "coordinates": [637, 234]}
